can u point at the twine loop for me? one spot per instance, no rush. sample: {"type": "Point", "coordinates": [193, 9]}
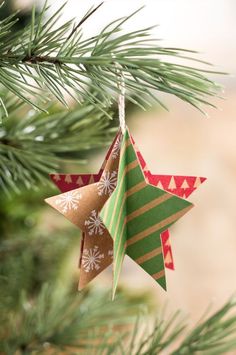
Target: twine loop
{"type": "Point", "coordinates": [121, 97]}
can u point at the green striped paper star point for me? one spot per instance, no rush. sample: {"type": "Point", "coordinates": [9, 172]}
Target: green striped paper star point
{"type": "Point", "coordinates": [136, 214]}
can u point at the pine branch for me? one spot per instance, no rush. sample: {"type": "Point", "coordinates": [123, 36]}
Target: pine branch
{"type": "Point", "coordinates": [213, 336]}
{"type": "Point", "coordinates": [40, 143]}
{"type": "Point", "coordinates": [59, 321]}
{"type": "Point", "coordinates": [43, 56]}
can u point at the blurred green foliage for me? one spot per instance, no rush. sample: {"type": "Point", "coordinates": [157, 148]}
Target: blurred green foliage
{"type": "Point", "coordinates": [30, 254]}
{"type": "Point", "coordinates": [9, 7]}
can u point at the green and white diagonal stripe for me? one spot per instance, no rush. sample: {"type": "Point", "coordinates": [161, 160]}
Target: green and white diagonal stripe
{"type": "Point", "coordinates": [136, 214]}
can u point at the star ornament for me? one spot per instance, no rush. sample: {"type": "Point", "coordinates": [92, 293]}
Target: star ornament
{"type": "Point", "coordinates": [181, 186]}
{"type": "Point", "coordinates": [128, 210]}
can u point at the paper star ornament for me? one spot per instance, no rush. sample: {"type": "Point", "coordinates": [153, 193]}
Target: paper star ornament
{"type": "Point", "coordinates": [181, 186]}
{"type": "Point", "coordinates": [146, 211]}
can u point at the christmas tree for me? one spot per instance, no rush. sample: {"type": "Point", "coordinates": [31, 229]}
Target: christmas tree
{"type": "Point", "coordinates": [58, 94]}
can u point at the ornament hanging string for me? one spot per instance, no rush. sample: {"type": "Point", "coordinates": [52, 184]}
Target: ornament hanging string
{"type": "Point", "coordinates": [121, 102]}
{"type": "Point", "coordinates": [121, 97]}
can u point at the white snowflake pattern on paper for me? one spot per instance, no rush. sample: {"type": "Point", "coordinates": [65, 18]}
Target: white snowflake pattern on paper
{"type": "Point", "coordinates": [116, 148]}
{"type": "Point", "coordinates": [94, 224]}
{"type": "Point", "coordinates": [110, 253]}
{"type": "Point", "coordinates": [68, 201]}
{"type": "Point", "coordinates": [91, 259]}
{"type": "Point", "coordinates": [107, 183]}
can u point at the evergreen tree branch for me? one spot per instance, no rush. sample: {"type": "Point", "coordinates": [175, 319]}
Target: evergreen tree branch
{"type": "Point", "coordinates": [58, 321]}
{"type": "Point", "coordinates": [43, 56]}
{"type": "Point", "coordinates": [214, 335]}
{"type": "Point", "coordinates": [40, 143]}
